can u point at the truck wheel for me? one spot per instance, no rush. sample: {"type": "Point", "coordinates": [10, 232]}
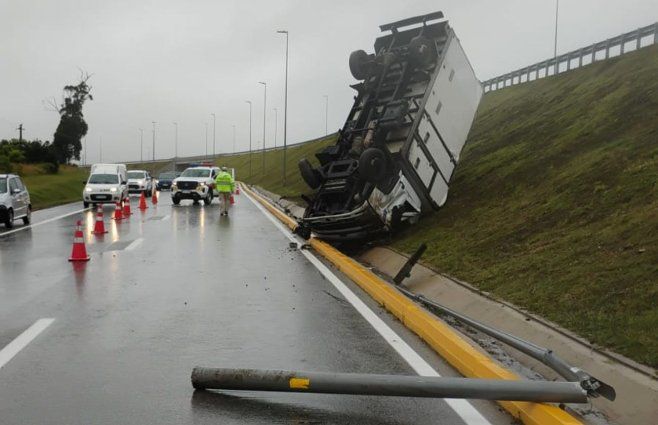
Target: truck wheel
{"type": "Point", "coordinates": [359, 64]}
{"type": "Point", "coordinates": [422, 50]}
{"type": "Point", "coordinates": [372, 165]}
{"type": "Point", "coordinates": [175, 200]}
{"type": "Point", "coordinates": [85, 204]}
{"type": "Point", "coordinates": [208, 199]}
{"type": "Point", "coordinates": [9, 222]}
{"type": "Point", "coordinates": [309, 174]}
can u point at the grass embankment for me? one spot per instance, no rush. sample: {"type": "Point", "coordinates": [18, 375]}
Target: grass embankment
{"type": "Point", "coordinates": [554, 205]}
{"type": "Point", "coordinates": [47, 190]}
{"type": "Point", "coordinates": [272, 179]}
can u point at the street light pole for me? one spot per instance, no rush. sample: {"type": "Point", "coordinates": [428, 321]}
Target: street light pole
{"type": "Point", "coordinates": [206, 141]}
{"type": "Point", "coordinates": [557, 7]}
{"type": "Point", "coordinates": [264, 119]}
{"type": "Point", "coordinates": [153, 152]}
{"type": "Point", "coordinates": [175, 145]}
{"type": "Point", "coordinates": [213, 135]}
{"type": "Point", "coordinates": [233, 138]}
{"type": "Point", "coordinates": [285, 111]}
{"type": "Point", "coordinates": [326, 114]}
{"type": "Point", "coordinates": [249, 102]}
{"type": "Point", "coordinates": [100, 141]}
{"type": "Point", "coordinates": [276, 125]}
{"type": "Point", "coordinates": [141, 145]}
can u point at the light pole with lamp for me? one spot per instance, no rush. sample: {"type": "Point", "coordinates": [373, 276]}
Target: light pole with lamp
{"type": "Point", "coordinates": [285, 110]}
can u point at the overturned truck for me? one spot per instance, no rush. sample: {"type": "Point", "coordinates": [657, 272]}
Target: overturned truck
{"type": "Point", "coordinates": [416, 100]}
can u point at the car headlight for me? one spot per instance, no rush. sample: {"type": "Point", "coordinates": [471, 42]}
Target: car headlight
{"type": "Point", "coordinates": [88, 189]}
{"type": "Point", "coordinates": [113, 189]}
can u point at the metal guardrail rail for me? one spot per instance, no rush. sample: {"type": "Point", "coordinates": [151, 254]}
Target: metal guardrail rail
{"type": "Point", "coordinates": [584, 56]}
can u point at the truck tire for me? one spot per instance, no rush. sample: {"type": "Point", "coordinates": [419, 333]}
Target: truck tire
{"type": "Point", "coordinates": [208, 199]}
{"type": "Point", "coordinates": [372, 165]}
{"type": "Point", "coordinates": [175, 199]}
{"type": "Point", "coordinates": [309, 174]}
{"type": "Point", "coordinates": [359, 64]}
{"type": "Point", "coordinates": [422, 50]}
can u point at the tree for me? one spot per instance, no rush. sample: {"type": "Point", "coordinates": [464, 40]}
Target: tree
{"type": "Point", "coordinates": [72, 126]}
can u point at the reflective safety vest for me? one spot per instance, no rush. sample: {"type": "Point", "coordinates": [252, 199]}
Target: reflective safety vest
{"type": "Point", "coordinates": [224, 182]}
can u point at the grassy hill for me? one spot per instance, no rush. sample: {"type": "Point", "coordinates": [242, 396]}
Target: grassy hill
{"type": "Point", "coordinates": [47, 190]}
{"type": "Point", "coordinates": [554, 205]}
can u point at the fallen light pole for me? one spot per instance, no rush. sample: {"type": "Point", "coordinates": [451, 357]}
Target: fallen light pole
{"type": "Point", "coordinates": [387, 385]}
{"type": "Point", "coordinates": [592, 385]}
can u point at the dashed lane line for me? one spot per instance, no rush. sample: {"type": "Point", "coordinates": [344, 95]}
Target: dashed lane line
{"type": "Point", "coordinates": [22, 340]}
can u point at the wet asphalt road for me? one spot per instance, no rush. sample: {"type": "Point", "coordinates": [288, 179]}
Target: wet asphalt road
{"type": "Point", "coordinates": [169, 289]}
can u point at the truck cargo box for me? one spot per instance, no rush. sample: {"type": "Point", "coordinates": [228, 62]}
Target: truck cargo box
{"type": "Point", "coordinates": [415, 102]}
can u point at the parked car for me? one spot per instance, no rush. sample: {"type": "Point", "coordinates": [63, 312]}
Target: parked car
{"type": "Point", "coordinates": [107, 183]}
{"type": "Point", "coordinates": [195, 183]}
{"type": "Point", "coordinates": [140, 181]}
{"type": "Point", "coordinates": [165, 180]}
{"type": "Point", "coordinates": [14, 200]}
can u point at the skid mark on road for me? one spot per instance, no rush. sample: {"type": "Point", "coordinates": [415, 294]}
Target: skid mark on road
{"type": "Point", "coordinates": [22, 340]}
{"type": "Point", "coordinates": [463, 408]}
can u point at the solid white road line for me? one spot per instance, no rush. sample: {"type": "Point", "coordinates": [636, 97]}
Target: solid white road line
{"type": "Point", "coordinates": [463, 408]}
{"type": "Point", "coordinates": [134, 244]}
{"type": "Point", "coordinates": [22, 340]}
{"type": "Point", "coordinates": [42, 222]}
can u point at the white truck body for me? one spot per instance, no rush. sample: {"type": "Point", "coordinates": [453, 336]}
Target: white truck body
{"type": "Point", "coordinates": [107, 183]}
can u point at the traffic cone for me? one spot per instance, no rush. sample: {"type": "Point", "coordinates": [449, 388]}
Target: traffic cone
{"type": "Point", "coordinates": [118, 214]}
{"type": "Point", "coordinates": [142, 202]}
{"type": "Point", "coordinates": [79, 252]}
{"type": "Point", "coordinates": [126, 207]}
{"type": "Point", "coordinates": [232, 200]}
{"type": "Point", "coordinates": [99, 226]}
{"type": "Point", "coordinates": [154, 197]}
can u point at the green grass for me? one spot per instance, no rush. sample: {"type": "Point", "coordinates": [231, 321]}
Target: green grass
{"type": "Point", "coordinates": [272, 179]}
{"type": "Point", "coordinates": [47, 190]}
{"type": "Point", "coordinates": [554, 205]}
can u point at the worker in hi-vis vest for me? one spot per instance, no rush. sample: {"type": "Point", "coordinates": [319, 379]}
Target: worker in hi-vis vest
{"type": "Point", "coordinates": [225, 186]}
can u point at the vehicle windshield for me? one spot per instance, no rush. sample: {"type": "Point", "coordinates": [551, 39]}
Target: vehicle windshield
{"type": "Point", "coordinates": [168, 176]}
{"type": "Point", "coordinates": [3, 185]}
{"type": "Point", "coordinates": [196, 172]}
{"type": "Point", "coordinates": [103, 179]}
{"type": "Point", "coordinates": [136, 174]}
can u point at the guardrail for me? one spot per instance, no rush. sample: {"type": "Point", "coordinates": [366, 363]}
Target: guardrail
{"type": "Point", "coordinates": [576, 58]}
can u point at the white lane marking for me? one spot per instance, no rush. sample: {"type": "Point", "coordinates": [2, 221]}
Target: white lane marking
{"type": "Point", "coordinates": [134, 244]}
{"type": "Point", "coordinates": [462, 407]}
{"type": "Point", "coordinates": [22, 340]}
{"type": "Point", "coordinates": [167, 217]}
{"type": "Point", "coordinates": [43, 222]}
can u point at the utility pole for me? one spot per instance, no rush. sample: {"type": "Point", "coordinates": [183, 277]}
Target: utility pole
{"type": "Point", "coordinates": [557, 7]}
{"type": "Point", "coordinates": [84, 156]}
{"type": "Point", "coordinates": [276, 124]}
{"type": "Point", "coordinates": [100, 140]}
{"type": "Point", "coordinates": [141, 145]}
{"type": "Point", "coordinates": [175, 145]}
{"type": "Point", "coordinates": [326, 114]}
{"type": "Point", "coordinates": [285, 111]}
{"type": "Point", "coordinates": [249, 102]}
{"type": "Point", "coordinates": [214, 154]}
{"type": "Point", "coordinates": [264, 119]}
{"type": "Point", "coordinates": [233, 138]}
{"type": "Point", "coordinates": [20, 132]}
{"type": "Point", "coordinates": [153, 150]}
{"type": "Point", "coordinates": [206, 141]}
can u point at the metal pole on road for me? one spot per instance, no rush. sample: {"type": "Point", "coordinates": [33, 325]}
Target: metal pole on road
{"type": "Point", "coordinates": [249, 102]}
{"type": "Point", "coordinates": [285, 110]}
{"type": "Point", "coordinates": [213, 135]}
{"type": "Point", "coordinates": [264, 119]}
{"type": "Point", "coordinates": [153, 150]}
{"type": "Point", "coordinates": [387, 385]}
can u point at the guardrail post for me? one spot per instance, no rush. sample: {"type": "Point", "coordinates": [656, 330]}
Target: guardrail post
{"type": "Point", "coordinates": [638, 39]}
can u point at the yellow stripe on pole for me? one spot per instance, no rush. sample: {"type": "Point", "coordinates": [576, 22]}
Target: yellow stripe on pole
{"type": "Point", "coordinates": [299, 383]}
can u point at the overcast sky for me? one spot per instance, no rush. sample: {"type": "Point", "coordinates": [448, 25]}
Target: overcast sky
{"type": "Point", "coordinates": [180, 61]}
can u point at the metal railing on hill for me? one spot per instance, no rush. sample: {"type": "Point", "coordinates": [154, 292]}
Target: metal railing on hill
{"type": "Point", "coordinates": [602, 50]}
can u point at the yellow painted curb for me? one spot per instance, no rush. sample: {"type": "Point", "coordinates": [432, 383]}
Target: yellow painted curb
{"type": "Point", "coordinates": [442, 338]}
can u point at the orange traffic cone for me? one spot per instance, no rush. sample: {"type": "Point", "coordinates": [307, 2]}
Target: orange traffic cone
{"type": "Point", "coordinates": [118, 214]}
{"type": "Point", "coordinates": [126, 207]}
{"type": "Point", "coordinates": [154, 197]}
{"type": "Point", "coordinates": [142, 202]}
{"type": "Point", "coordinates": [99, 226]}
{"type": "Point", "coordinates": [79, 252]}
{"type": "Point", "coordinates": [232, 200]}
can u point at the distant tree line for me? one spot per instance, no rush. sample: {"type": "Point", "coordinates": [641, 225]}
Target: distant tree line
{"type": "Point", "coordinates": [14, 152]}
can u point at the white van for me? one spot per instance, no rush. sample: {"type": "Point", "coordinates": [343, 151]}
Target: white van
{"type": "Point", "coordinates": [107, 183]}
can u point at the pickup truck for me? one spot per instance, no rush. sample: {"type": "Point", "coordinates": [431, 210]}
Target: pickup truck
{"type": "Point", "coordinates": [416, 98]}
